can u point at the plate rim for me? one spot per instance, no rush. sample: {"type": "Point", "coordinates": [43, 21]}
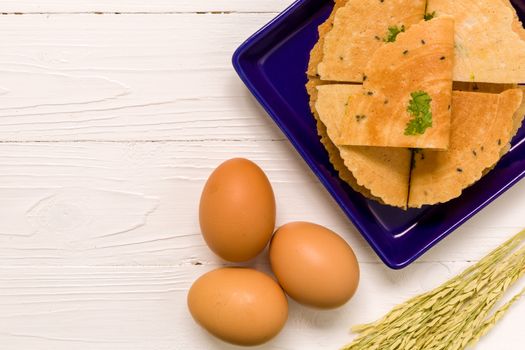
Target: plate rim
{"type": "Point", "coordinates": [237, 59]}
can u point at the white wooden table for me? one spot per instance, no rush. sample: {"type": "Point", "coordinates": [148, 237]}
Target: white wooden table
{"type": "Point", "coordinates": [112, 115]}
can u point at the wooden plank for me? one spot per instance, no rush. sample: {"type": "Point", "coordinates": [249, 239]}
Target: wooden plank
{"type": "Point", "coordinates": [137, 203]}
{"type": "Point", "coordinates": [135, 6]}
{"type": "Point", "coordinates": [118, 308]}
{"type": "Point", "coordinates": [127, 77]}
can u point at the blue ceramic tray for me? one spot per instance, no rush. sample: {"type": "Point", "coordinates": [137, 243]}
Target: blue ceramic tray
{"type": "Point", "coordinates": [272, 63]}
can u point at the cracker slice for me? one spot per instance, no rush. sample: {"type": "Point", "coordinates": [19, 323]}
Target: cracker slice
{"type": "Point", "coordinates": [333, 151]}
{"type": "Point", "coordinates": [419, 62]}
{"type": "Point", "coordinates": [383, 171]}
{"type": "Point", "coordinates": [316, 55]}
{"type": "Point", "coordinates": [359, 28]}
{"type": "Point", "coordinates": [482, 126]}
{"type": "Point", "coordinates": [490, 41]}
{"type": "Point", "coordinates": [517, 26]}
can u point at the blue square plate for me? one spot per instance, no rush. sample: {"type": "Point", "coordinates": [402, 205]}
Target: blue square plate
{"type": "Point", "coordinates": [272, 63]}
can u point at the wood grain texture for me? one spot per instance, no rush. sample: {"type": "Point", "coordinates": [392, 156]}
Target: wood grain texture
{"type": "Point", "coordinates": [145, 308]}
{"type": "Point", "coordinates": [126, 77]}
{"type": "Point", "coordinates": [137, 203]}
{"type": "Point", "coordinates": [136, 6]}
{"type": "Point", "coordinates": [109, 126]}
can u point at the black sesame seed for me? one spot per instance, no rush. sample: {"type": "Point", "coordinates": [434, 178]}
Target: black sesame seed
{"type": "Point", "coordinates": [405, 52]}
{"type": "Point", "coordinates": [499, 142]}
{"type": "Point", "coordinates": [358, 117]}
{"type": "Point", "coordinates": [370, 93]}
{"type": "Point", "coordinates": [442, 58]}
{"type": "Point", "coordinates": [364, 77]}
{"type": "Point", "coordinates": [449, 107]}
{"type": "Point", "coordinates": [474, 153]}
{"type": "Point", "coordinates": [341, 58]}
{"type": "Point", "coordinates": [482, 148]}
{"type": "Point", "coordinates": [459, 170]}
{"type": "Point", "coordinates": [377, 38]}
{"type": "Point", "coordinates": [423, 42]}
{"type": "Point", "coordinates": [386, 102]}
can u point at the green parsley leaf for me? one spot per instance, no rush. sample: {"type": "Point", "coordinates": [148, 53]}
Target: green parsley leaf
{"type": "Point", "coordinates": [429, 16]}
{"type": "Point", "coordinates": [419, 107]}
{"type": "Point", "coordinates": [393, 31]}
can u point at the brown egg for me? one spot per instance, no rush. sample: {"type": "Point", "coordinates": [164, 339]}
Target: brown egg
{"type": "Point", "coordinates": [237, 210]}
{"type": "Point", "coordinates": [238, 305]}
{"type": "Point", "coordinates": [314, 265]}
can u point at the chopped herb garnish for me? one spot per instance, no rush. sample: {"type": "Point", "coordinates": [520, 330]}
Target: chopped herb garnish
{"type": "Point", "coordinates": [420, 109]}
{"type": "Point", "coordinates": [429, 16]}
{"type": "Point", "coordinates": [393, 31]}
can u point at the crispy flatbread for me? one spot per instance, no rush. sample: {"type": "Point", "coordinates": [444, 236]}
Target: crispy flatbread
{"type": "Point", "coordinates": [519, 115]}
{"type": "Point", "coordinates": [495, 89]}
{"type": "Point", "coordinates": [359, 28]}
{"type": "Point", "coordinates": [384, 171]}
{"type": "Point", "coordinates": [490, 42]}
{"type": "Point", "coordinates": [420, 60]}
{"type": "Point", "coordinates": [316, 54]}
{"type": "Point", "coordinates": [333, 151]}
{"type": "Point", "coordinates": [516, 23]}
{"type": "Point", "coordinates": [482, 126]}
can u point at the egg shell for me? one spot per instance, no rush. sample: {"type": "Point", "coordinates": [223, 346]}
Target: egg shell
{"type": "Point", "coordinates": [314, 265]}
{"type": "Point", "coordinates": [237, 210]}
{"type": "Point", "coordinates": [238, 305]}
